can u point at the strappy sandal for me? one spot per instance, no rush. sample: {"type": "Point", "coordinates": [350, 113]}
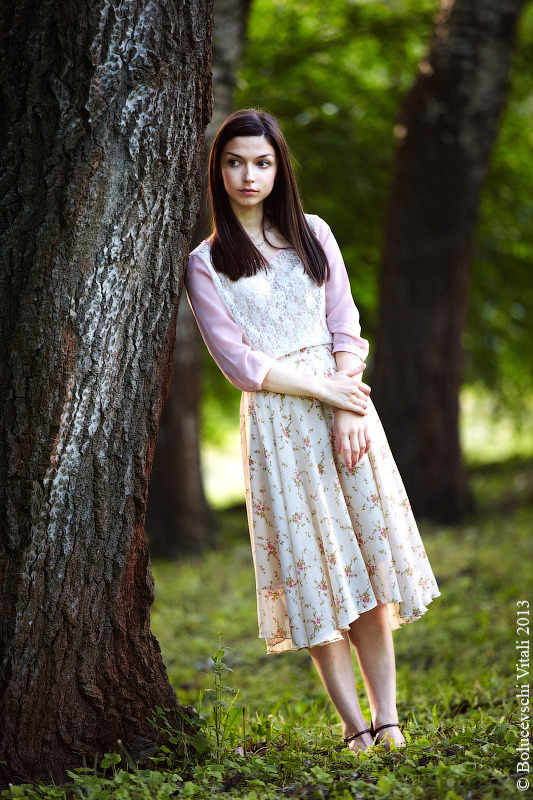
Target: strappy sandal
{"type": "Point", "coordinates": [349, 739]}
{"type": "Point", "coordinates": [375, 731]}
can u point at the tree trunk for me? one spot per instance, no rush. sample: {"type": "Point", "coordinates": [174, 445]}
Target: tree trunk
{"type": "Point", "coordinates": [447, 128]}
{"type": "Point", "coordinates": [178, 517]}
{"type": "Point", "coordinates": [228, 40]}
{"type": "Point", "coordinates": [104, 106]}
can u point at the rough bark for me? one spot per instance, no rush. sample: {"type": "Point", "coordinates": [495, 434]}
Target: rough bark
{"type": "Point", "coordinates": [447, 128]}
{"type": "Point", "coordinates": [104, 106]}
{"type": "Point", "coordinates": [178, 518]}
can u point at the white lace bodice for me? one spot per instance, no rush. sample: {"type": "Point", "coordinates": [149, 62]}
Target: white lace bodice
{"type": "Point", "coordinates": [279, 309]}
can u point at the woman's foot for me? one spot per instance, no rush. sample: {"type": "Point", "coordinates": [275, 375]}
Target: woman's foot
{"type": "Point", "coordinates": [386, 734]}
{"type": "Point", "coordinates": [359, 741]}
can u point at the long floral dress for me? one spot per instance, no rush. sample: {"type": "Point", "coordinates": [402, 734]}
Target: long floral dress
{"type": "Point", "coordinates": [328, 542]}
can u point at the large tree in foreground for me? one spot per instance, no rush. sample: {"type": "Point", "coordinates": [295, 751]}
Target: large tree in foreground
{"type": "Point", "coordinates": [447, 128]}
{"type": "Point", "coordinates": [104, 107]}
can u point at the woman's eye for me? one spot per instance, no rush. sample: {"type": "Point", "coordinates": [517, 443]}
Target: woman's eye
{"type": "Point", "coordinates": [264, 163]}
{"type": "Point", "coordinates": [232, 162]}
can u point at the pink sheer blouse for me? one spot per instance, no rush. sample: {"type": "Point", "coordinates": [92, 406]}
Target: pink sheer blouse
{"type": "Point", "coordinates": [245, 367]}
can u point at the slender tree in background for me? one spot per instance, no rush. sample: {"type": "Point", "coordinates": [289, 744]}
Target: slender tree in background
{"type": "Point", "coordinates": [104, 107]}
{"type": "Point", "coordinates": [446, 131]}
{"type": "Point", "coordinates": [178, 517]}
{"type": "Point", "coordinates": [229, 31]}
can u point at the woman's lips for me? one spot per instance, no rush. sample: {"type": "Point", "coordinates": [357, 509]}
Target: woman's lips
{"type": "Point", "coordinates": [248, 191]}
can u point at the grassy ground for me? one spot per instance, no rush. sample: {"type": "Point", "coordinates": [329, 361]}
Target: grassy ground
{"type": "Point", "coordinates": [456, 666]}
{"type": "Point", "coordinates": [456, 676]}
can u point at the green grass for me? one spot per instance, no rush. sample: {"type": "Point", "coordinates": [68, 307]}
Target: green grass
{"type": "Point", "coordinates": [456, 677]}
{"type": "Point", "coordinates": [456, 666]}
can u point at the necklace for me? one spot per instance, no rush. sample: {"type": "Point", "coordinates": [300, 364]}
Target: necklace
{"type": "Point", "coordinates": [262, 244]}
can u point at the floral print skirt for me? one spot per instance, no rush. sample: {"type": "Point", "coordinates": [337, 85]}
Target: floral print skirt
{"type": "Point", "coordinates": [328, 542]}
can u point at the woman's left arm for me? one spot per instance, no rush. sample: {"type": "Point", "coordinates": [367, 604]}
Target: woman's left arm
{"type": "Point", "coordinates": [352, 438]}
{"type": "Point", "coordinates": [342, 316]}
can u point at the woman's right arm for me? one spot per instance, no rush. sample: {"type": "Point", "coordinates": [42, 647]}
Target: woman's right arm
{"type": "Point", "coordinates": [243, 367]}
{"type": "Point", "coordinates": [341, 390]}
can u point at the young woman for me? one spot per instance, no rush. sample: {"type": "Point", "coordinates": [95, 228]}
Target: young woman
{"type": "Point", "coordinates": [338, 558]}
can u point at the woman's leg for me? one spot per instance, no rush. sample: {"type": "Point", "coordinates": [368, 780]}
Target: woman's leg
{"type": "Point", "coordinates": [334, 664]}
{"type": "Point", "coordinates": [371, 637]}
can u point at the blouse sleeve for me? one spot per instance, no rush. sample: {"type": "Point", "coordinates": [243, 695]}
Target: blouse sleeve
{"type": "Point", "coordinates": [341, 313]}
{"type": "Point", "coordinates": [243, 367]}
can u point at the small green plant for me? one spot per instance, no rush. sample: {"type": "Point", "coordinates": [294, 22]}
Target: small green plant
{"type": "Point", "coordinates": [225, 714]}
{"type": "Point", "coordinates": [182, 738]}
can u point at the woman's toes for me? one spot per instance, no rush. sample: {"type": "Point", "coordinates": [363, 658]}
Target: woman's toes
{"type": "Point", "coordinates": [390, 735]}
{"type": "Point", "coordinates": [360, 744]}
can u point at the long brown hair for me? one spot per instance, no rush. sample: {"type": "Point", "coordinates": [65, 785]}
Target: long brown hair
{"type": "Point", "coordinates": [232, 251]}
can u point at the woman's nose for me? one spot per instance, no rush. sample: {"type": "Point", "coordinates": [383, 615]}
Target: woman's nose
{"type": "Point", "coordinates": [249, 175]}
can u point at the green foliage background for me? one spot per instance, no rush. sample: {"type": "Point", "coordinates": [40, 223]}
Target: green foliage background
{"type": "Point", "coordinates": [335, 72]}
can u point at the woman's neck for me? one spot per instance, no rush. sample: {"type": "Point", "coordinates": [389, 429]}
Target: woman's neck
{"type": "Point", "coordinates": [251, 219]}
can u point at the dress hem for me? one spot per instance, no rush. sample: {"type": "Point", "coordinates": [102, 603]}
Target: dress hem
{"type": "Point", "coordinates": [283, 644]}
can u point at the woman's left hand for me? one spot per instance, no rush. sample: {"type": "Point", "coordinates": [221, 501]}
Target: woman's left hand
{"type": "Point", "coordinates": [352, 438]}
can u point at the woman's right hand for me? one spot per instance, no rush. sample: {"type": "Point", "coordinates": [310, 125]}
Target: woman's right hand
{"type": "Point", "coordinates": [343, 390]}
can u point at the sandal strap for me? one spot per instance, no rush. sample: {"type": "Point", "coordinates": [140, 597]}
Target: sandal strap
{"type": "Point", "coordinates": [382, 727]}
{"type": "Point", "coordinates": [348, 739]}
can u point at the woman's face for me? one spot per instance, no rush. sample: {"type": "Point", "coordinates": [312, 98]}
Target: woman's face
{"type": "Point", "coordinates": [248, 167]}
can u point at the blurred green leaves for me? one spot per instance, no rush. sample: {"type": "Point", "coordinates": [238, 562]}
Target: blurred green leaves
{"type": "Point", "coordinates": [335, 73]}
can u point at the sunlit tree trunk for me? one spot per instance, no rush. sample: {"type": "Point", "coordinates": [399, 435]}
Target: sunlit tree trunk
{"type": "Point", "coordinates": [179, 519]}
{"type": "Point", "coordinates": [104, 104]}
{"type": "Point", "coordinates": [447, 128]}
